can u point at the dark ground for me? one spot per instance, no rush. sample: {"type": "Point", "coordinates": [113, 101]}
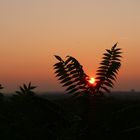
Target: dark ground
{"type": "Point", "coordinates": [51, 118]}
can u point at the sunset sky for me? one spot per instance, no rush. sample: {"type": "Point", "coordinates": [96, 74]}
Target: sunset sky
{"type": "Point", "coordinates": [32, 31]}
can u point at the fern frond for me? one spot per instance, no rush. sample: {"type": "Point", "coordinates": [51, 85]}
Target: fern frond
{"type": "Point", "coordinates": [71, 74]}
{"type": "Point", "coordinates": [108, 70]}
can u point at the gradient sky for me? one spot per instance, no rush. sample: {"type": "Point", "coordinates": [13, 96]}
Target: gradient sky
{"type": "Point", "coordinates": [32, 31]}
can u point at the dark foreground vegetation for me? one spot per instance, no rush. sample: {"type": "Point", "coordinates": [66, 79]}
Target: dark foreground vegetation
{"type": "Point", "coordinates": [33, 117]}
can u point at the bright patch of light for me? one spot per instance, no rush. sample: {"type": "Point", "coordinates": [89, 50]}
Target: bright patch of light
{"type": "Point", "coordinates": [91, 80]}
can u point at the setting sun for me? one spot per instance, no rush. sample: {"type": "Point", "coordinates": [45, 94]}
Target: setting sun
{"type": "Point", "coordinates": [91, 80]}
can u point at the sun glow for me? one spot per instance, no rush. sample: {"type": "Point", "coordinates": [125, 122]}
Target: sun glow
{"type": "Point", "coordinates": [91, 80]}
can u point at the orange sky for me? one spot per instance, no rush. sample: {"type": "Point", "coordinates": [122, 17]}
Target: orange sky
{"type": "Point", "coordinates": [32, 31]}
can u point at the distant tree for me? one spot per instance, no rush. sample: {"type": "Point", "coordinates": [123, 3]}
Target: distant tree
{"type": "Point", "coordinates": [70, 73]}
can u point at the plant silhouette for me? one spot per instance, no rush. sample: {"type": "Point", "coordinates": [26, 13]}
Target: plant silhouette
{"type": "Point", "coordinates": [1, 87]}
{"type": "Point", "coordinates": [1, 95]}
{"type": "Point", "coordinates": [71, 74]}
{"type": "Point", "coordinates": [108, 69]}
{"type": "Point", "coordinates": [26, 90]}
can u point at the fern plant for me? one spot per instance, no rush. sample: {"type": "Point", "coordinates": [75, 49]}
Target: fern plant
{"type": "Point", "coordinates": [70, 73]}
{"type": "Point", "coordinates": [108, 70]}
{"type": "Point", "coordinates": [26, 90]}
